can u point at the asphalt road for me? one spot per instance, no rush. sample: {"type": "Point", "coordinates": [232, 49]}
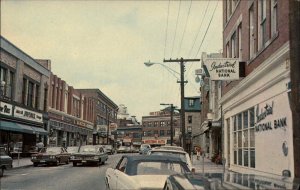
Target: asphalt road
{"type": "Point", "coordinates": [62, 177]}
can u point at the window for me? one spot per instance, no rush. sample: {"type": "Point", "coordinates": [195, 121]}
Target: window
{"type": "Point", "coordinates": [228, 50]}
{"type": "Point", "coordinates": [190, 119]}
{"type": "Point", "coordinates": [244, 138]}
{"type": "Point", "coordinates": [251, 33]}
{"type": "Point", "coordinates": [6, 82]}
{"type": "Point", "coordinates": [274, 22]}
{"type": "Point", "coordinates": [263, 23]}
{"type": "Point", "coordinates": [191, 103]}
{"type": "Point", "coordinates": [233, 46]}
{"type": "Point", "coordinates": [162, 133]}
{"type": "Point", "coordinates": [162, 123]}
{"type": "Point", "coordinates": [37, 96]}
{"type": "Point", "coordinates": [228, 9]}
{"type": "Point", "coordinates": [30, 94]}
{"type": "Point", "coordinates": [168, 132]}
{"type": "Point", "coordinates": [239, 43]}
{"type": "Point", "coordinates": [45, 98]}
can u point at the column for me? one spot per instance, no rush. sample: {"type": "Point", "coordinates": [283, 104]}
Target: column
{"type": "Point", "coordinates": [8, 85]}
{"type": "Point", "coordinates": [17, 88]}
{"type": "Point", "coordinates": [34, 94]}
{"type": "Point", "coordinates": [26, 92]}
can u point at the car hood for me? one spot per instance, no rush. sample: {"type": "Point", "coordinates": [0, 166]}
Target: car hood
{"type": "Point", "coordinates": [150, 181]}
{"type": "Point", "coordinates": [45, 154]}
{"type": "Point", "coordinates": [86, 154]}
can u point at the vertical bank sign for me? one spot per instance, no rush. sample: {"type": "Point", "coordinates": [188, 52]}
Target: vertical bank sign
{"type": "Point", "coordinates": [222, 68]}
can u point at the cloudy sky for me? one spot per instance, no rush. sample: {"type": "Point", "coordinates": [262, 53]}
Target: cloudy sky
{"type": "Point", "coordinates": [104, 44]}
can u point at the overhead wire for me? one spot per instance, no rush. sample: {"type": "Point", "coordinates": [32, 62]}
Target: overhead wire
{"type": "Point", "coordinates": [176, 27]}
{"type": "Point", "coordinates": [204, 35]}
{"type": "Point", "coordinates": [185, 26]}
{"type": "Point", "coordinates": [166, 36]}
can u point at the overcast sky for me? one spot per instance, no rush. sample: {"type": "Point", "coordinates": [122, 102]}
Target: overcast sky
{"type": "Point", "coordinates": [104, 44]}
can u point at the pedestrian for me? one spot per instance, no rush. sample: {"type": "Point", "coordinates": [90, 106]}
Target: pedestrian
{"type": "Point", "coordinates": [198, 152]}
{"type": "Point", "coordinates": [40, 145]}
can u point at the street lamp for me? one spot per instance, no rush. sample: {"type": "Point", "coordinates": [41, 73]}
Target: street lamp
{"type": "Point", "coordinates": [170, 70]}
{"type": "Point", "coordinates": [172, 110]}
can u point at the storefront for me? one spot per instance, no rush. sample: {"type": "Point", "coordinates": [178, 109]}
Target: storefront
{"type": "Point", "coordinates": [68, 131]}
{"type": "Point", "coordinates": [258, 136]}
{"type": "Point", "coordinates": [20, 128]}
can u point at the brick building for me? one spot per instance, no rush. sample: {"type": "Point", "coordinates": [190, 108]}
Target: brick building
{"type": "Point", "coordinates": [70, 121]}
{"type": "Point", "coordinates": [258, 132]}
{"type": "Point", "coordinates": [157, 128]}
{"type": "Point", "coordinates": [103, 113]}
{"type": "Point", "coordinates": [129, 132]}
{"type": "Point", "coordinates": [23, 98]}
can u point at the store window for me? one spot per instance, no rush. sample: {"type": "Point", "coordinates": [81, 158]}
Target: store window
{"type": "Point", "coordinates": [244, 138]}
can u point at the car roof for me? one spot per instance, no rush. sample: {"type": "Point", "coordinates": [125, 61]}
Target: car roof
{"type": "Point", "coordinates": [152, 158]}
{"type": "Point", "coordinates": [168, 150]}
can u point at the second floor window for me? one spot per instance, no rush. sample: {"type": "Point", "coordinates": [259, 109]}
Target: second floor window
{"type": "Point", "coordinates": [30, 94]}
{"type": "Point", "coordinates": [191, 103]}
{"type": "Point", "coordinates": [190, 119]}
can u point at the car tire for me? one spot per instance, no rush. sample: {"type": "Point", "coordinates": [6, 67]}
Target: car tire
{"type": "Point", "coordinates": [74, 164]}
{"type": "Point", "coordinates": [35, 164]}
{"type": "Point", "coordinates": [57, 162]}
{"type": "Point", "coordinates": [1, 172]}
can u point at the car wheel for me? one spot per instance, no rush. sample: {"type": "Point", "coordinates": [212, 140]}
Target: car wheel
{"type": "Point", "coordinates": [35, 164]}
{"type": "Point", "coordinates": [1, 172]}
{"type": "Point", "coordinates": [74, 164]}
{"type": "Point", "coordinates": [57, 162]}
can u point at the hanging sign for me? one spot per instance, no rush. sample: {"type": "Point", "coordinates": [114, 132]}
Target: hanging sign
{"type": "Point", "coordinates": [223, 68]}
{"type": "Point", "coordinates": [6, 109]}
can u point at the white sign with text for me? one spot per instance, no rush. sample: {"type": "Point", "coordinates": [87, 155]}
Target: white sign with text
{"type": "Point", "coordinates": [28, 115]}
{"type": "Point", "coordinates": [223, 68]}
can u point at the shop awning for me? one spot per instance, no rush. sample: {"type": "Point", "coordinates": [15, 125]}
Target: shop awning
{"type": "Point", "coordinates": [12, 126]}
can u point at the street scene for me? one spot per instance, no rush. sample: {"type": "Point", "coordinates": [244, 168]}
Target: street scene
{"type": "Point", "coordinates": [149, 95]}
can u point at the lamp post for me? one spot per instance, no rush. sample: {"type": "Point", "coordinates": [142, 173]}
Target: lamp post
{"type": "Point", "coordinates": [172, 110]}
{"type": "Point", "coordinates": [170, 70]}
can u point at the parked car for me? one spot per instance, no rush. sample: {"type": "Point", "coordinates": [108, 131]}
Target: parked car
{"type": "Point", "coordinates": [166, 147]}
{"type": "Point", "coordinates": [109, 149]}
{"type": "Point", "coordinates": [72, 149]}
{"type": "Point", "coordinates": [143, 172]}
{"type": "Point", "coordinates": [123, 149]}
{"type": "Point", "coordinates": [51, 155]}
{"type": "Point", "coordinates": [178, 153]}
{"type": "Point", "coordinates": [89, 154]}
{"type": "Point", "coordinates": [5, 161]}
{"type": "Point", "coordinates": [144, 148]}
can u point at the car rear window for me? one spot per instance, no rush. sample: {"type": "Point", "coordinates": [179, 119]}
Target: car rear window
{"type": "Point", "coordinates": [176, 154]}
{"type": "Point", "coordinates": [159, 168]}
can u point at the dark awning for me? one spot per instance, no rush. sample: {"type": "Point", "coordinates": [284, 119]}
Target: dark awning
{"type": "Point", "coordinates": [12, 126]}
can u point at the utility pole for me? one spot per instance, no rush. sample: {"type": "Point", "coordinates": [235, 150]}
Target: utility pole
{"type": "Point", "coordinates": [171, 115]}
{"type": "Point", "coordinates": [182, 111]}
{"type": "Point", "coordinates": [294, 28]}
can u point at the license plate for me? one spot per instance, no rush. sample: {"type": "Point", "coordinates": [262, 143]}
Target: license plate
{"type": "Point", "coordinates": [42, 161]}
{"type": "Point", "coordinates": [83, 160]}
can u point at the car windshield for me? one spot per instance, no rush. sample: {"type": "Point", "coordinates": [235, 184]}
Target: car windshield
{"type": "Point", "coordinates": [2, 152]}
{"type": "Point", "coordinates": [51, 150]}
{"type": "Point", "coordinates": [88, 149]}
{"type": "Point", "coordinates": [176, 154]}
{"type": "Point", "coordinates": [72, 149]}
{"type": "Point", "coordinates": [159, 168]}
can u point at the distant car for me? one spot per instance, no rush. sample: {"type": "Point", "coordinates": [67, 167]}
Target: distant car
{"type": "Point", "coordinates": [143, 172]}
{"type": "Point", "coordinates": [123, 149]}
{"type": "Point", "coordinates": [72, 149]}
{"type": "Point", "coordinates": [51, 155]}
{"type": "Point", "coordinates": [144, 148]}
{"type": "Point", "coordinates": [109, 149]}
{"type": "Point", "coordinates": [89, 154]}
{"type": "Point", "coordinates": [178, 153]}
{"type": "Point", "coordinates": [5, 161]}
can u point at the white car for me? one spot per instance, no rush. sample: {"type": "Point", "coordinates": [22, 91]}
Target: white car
{"type": "Point", "coordinates": [178, 153]}
{"type": "Point", "coordinates": [166, 147]}
{"type": "Point", "coordinates": [143, 172]}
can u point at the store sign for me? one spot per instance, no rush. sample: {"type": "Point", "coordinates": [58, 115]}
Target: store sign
{"type": "Point", "coordinates": [5, 109]}
{"type": "Point", "coordinates": [80, 123]}
{"type": "Point", "coordinates": [266, 121]}
{"type": "Point", "coordinates": [68, 120]}
{"type": "Point", "coordinates": [28, 115]}
{"type": "Point", "coordinates": [154, 141]}
{"type": "Point", "coordinates": [222, 68]}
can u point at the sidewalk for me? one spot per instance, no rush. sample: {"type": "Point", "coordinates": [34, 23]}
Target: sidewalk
{"type": "Point", "coordinates": [209, 167]}
{"type": "Point", "coordinates": [22, 162]}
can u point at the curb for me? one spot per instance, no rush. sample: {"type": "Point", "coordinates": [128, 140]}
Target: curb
{"type": "Point", "coordinates": [20, 167]}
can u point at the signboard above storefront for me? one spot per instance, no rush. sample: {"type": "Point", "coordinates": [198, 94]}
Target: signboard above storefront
{"type": "Point", "coordinates": [28, 115]}
{"type": "Point", "coordinates": [223, 68]}
{"type": "Point", "coordinates": [5, 109]}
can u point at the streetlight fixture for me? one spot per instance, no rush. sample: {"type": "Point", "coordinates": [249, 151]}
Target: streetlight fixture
{"type": "Point", "coordinates": [170, 70]}
{"type": "Point", "coordinates": [172, 110]}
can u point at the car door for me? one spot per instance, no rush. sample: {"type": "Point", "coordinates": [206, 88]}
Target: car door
{"type": "Point", "coordinates": [113, 174]}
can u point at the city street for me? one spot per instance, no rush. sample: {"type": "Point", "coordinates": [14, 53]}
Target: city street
{"type": "Point", "coordinates": [63, 177]}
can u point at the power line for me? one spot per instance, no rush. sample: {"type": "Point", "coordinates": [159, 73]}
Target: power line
{"type": "Point", "coordinates": [184, 29]}
{"type": "Point", "coordinates": [204, 35]}
{"type": "Point", "coordinates": [167, 29]}
{"type": "Point", "coordinates": [200, 26]}
{"type": "Point", "coordinates": [176, 27]}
